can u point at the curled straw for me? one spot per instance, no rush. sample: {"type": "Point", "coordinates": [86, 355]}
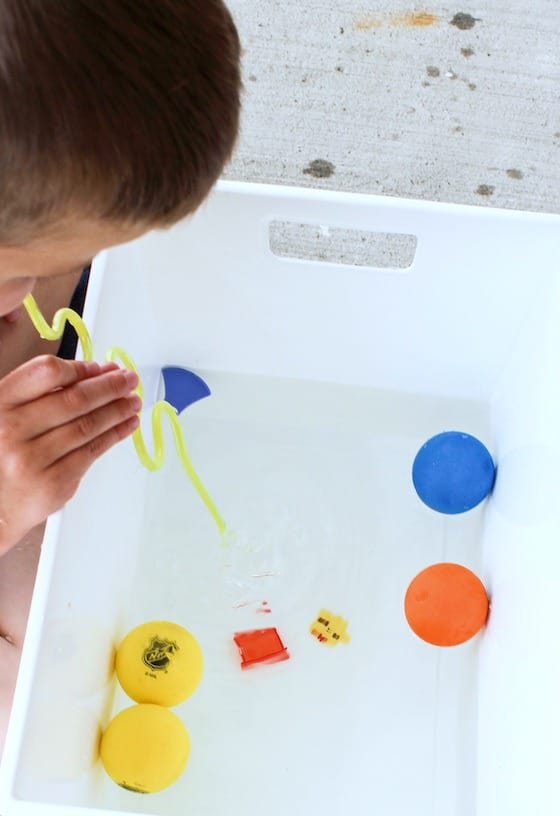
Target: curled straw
{"type": "Point", "coordinates": [160, 409]}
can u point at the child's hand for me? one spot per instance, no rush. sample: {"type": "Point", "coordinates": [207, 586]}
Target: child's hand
{"type": "Point", "coordinates": [56, 418]}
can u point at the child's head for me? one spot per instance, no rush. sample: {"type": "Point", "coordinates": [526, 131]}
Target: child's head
{"type": "Point", "coordinates": [116, 113]}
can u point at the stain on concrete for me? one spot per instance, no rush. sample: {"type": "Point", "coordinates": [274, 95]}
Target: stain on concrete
{"type": "Point", "coordinates": [367, 23]}
{"type": "Point", "coordinates": [515, 174]}
{"type": "Point", "coordinates": [426, 84]}
{"type": "Point", "coordinates": [485, 190]}
{"type": "Point", "coordinates": [464, 21]}
{"type": "Point", "coordinates": [341, 29]}
{"type": "Point", "coordinates": [467, 52]}
{"type": "Point", "coordinates": [458, 129]}
{"type": "Point", "coordinates": [432, 71]}
{"type": "Point", "coordinates": [411, 19]}
{"type": "Point", "coordinates": [415, 19]}
{"type": "Point", "coordinates": [319, 168]}
{"type": "Point", "coordinates": [472, 86]}
{"type": "Point", "coordinates": [252, 78]}
{"type": "Point", "coordinates": [339, 69]}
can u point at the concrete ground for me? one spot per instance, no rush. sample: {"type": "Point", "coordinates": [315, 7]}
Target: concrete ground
{"type": "Point", "coordinates": [447, 103]}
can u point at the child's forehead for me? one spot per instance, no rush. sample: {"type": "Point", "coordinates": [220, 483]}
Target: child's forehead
{"type": "Point", "coordinates": [68, 244]}
{"type": "Point", "coordinates": [72, 233]}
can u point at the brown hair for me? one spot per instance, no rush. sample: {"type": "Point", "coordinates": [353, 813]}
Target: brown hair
{"type": "Point", "coordinates": [117, 109]}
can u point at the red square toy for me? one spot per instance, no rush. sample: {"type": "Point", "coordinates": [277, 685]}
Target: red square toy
{"type": "Point", "coordinates": [260, 646]}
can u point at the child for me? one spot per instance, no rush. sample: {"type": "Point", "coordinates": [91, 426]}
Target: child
{"type": "Point", "coordinates": [116, 117]}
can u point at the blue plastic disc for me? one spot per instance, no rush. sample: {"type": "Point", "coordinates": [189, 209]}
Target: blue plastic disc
{"type": "Point", "coordinates": [453, 472]}
{"type": "Point", "coordinates": [183, 387]}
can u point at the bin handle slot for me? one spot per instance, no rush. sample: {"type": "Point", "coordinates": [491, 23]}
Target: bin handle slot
{"type": "Point", "coordinates": [345, 247]}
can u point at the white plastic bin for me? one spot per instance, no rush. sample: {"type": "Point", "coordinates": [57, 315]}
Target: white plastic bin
{"type": "Point", "coordinates": [326, 379]}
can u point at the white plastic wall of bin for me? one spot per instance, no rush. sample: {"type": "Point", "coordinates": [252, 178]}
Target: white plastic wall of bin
{"type": "Point", "coordinates": [474, 317]}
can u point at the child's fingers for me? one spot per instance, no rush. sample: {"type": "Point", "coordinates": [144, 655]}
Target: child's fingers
{"type": "Point", "coordinates": [77, 401]}
{"type": "Point", "coordinates": [41, 375]}
{"type": "Point", "coordinates": [83, 431]}
{"type": "Point", "coordinates": [70, 469]}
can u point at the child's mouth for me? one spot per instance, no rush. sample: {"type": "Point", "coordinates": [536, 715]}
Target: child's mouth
{"type": "Point", "coordinates": [12, 316]}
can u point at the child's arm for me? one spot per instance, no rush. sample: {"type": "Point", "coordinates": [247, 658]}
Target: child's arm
{"type": "Point", "coordinates": [17, 577]}
{"type": "Point", "coordinates": [56, 418]}
{"type": "Point", "coordinates": [10, 657]}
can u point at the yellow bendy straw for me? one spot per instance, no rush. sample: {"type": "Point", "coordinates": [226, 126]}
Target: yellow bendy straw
{"type": "Point", "coordinates": [161, 407]}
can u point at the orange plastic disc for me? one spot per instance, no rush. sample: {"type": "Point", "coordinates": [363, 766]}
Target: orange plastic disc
{"type": "Point", "coordinates": [446, 604]}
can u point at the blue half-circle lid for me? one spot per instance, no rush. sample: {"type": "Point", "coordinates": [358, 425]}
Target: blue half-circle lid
{"type": "Point", "coordinates": [183, 387]}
